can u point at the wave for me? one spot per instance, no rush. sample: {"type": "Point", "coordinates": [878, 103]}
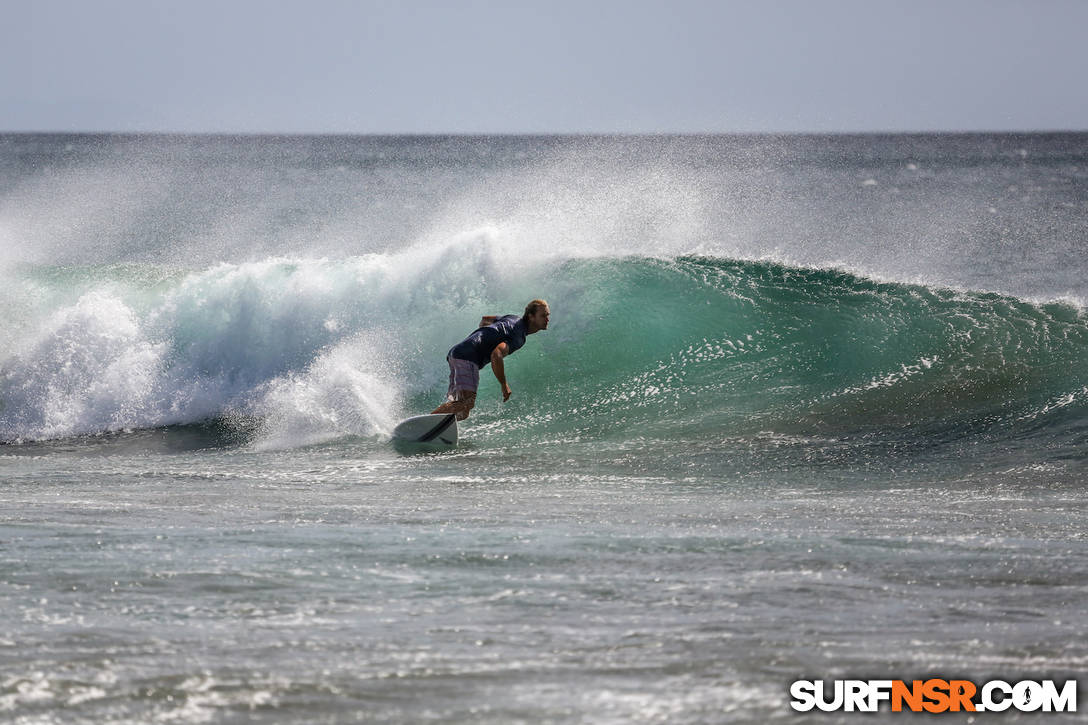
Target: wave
{"type": "Point", "coordinates": [693, 349]}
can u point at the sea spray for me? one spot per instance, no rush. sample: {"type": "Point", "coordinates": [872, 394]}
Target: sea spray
{"type": "Point", "coordinates": [349, 391]}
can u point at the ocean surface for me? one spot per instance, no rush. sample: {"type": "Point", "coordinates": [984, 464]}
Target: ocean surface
{"type": "Point", "coordinates": [809, 407]}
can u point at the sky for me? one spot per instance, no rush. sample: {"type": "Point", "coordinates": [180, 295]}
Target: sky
{"type": "Point", "coordinates": [547, 66]}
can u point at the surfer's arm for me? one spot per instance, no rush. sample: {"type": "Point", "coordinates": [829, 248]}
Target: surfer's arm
{"type": "Point", "coordinates": [497, 367]}
{"type": "Point", "coordinates": [487, 320]}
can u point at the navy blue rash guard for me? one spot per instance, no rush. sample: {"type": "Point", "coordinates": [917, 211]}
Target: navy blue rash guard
{"type": "Point", "coordinates": [478, 346]}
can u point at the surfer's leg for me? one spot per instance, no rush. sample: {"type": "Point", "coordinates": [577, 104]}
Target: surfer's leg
{"type": "Point", "coordinates": [461, 396]}
{"type": "Point", "coordinates": [463, 402]}
{"type": "Point", "coordinates": [467, 403]}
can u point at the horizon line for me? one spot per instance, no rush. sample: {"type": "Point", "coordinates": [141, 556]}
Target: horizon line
{"type": "Point", "coordinates": [540, 134]}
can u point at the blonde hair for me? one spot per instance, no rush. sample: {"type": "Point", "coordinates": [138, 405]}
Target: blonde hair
{"type": "Point", "coordinates": [532, 308]}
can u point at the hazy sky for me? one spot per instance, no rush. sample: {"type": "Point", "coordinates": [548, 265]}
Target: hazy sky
{"type": "Point", "coordinates": [462, 66]}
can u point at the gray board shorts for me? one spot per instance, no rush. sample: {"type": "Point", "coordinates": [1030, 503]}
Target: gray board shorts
{"type": "Point", "coordinates": [464, 376]}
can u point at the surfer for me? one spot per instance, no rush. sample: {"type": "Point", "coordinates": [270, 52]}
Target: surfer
{"type": "Point", "coordinates": [495, 338]}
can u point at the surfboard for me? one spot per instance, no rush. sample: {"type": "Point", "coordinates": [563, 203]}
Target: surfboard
{"type": "Point", "coordinates": [437, 429]}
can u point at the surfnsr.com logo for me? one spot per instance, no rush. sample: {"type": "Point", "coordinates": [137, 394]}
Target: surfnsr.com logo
{"type": "Point", "coordinates": [933, 696]}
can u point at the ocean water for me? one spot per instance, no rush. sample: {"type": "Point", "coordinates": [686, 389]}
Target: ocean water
{"type": "Point", "coordinates": [808, 408]}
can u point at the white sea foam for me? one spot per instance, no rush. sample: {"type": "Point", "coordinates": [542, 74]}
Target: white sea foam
{"type": "Point", "coordinates": [90, 368]}
{"type": "Point", "coordinates": [316, 348]}
{"type": "Point", "coordinates": [348, 391]}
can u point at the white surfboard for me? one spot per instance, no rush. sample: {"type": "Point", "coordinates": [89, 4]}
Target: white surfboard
{"type": "Point", "coordinates": [437, 429]}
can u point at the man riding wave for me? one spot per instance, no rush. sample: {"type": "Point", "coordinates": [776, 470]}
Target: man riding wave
{"type": "Point", "coordinates": [493, 340]}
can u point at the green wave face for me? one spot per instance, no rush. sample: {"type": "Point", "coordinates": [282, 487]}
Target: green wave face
{"type": "Point", "coordinates": [706, 349]}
